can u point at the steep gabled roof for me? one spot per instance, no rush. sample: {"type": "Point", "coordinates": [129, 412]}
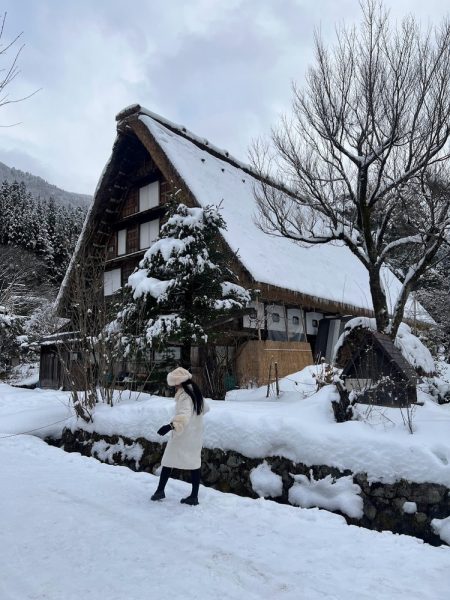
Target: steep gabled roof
{"type": "Point", "coordinates": [327, 273]}
{"type": "Point", "coordinates": [384, 344]}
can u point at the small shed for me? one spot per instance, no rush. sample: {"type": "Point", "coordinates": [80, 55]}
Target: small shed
{"type": "Point", "coordinates": [376, 371]}
{"type": "Point", "coordinates": [61, 364]}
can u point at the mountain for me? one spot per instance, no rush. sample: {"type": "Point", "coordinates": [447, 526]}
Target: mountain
{"type": "Point", "coordinates": [40, 188]}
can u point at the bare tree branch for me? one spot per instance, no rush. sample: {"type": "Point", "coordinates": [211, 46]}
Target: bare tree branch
{"type": "Point", "coordinates": [366, 149]}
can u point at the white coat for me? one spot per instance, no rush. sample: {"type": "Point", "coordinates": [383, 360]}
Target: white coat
{"type": "Point", "coordinates": [183, 450]}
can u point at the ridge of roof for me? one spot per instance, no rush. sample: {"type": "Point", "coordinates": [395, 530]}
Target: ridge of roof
{"type": "Point", "coordinates": [202, 142]}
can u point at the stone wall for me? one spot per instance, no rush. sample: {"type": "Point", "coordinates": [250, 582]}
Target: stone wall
{"type": "Point", "coordinates": [383, 504]}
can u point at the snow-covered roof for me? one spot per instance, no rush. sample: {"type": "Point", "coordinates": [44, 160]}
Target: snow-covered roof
{"type": "Point", "coordinates": [326, 272]}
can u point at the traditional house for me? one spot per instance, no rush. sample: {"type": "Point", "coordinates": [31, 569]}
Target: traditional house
{"type": "Point", "coordinates": [304, 293]}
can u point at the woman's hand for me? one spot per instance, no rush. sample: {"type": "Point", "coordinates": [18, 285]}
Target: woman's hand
{"type": "Point", "coordinates": [165, 429]}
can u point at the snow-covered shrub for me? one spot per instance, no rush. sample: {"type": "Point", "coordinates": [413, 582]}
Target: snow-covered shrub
{"type": "Point", "coordinates": [438, 388]}
{"type": "Point", "coordinates": [325, 375]}
{"type": "Point", "coordinates": [333, 494]}
{"type": "Point", "coordinates": [12, 340]}
{"type": "Point", "coordinates": [265, 482]}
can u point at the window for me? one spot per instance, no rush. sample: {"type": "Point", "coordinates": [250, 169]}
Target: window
{"type": "Point", "coordinates": [275, 317]}
{"type": "Point", "coordinates": [149, 196]}
{"type": "Point", "coordinates": [148, 233]}
{"type": "Point", "coordinates": [111, 281]}
{"type": "Point", "coordinates": [315, 323]}
{"type": "Point", "coordinates": [121, 242]}
{"type": "Point", "coordinates": [295, 321]}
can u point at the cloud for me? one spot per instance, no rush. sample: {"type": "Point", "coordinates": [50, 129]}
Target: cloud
{"type": "Point", "coordinates": [223, 69]}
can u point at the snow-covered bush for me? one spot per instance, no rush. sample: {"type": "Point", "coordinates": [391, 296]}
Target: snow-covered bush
{"type": "Point", "coordinates": [12, 339]}
{"type": "Point", "coordinates": [438, 388]}
{"type": "Point", "coordinates": [325, 375]}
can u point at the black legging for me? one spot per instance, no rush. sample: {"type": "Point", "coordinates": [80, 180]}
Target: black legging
{"type": "Point", "coordinates": [166, 473]}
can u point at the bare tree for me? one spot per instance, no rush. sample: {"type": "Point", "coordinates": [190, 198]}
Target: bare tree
{"type": "Point", "coordinates": [368, 139]}
{"type": "Point", "coordinates": [9, 72]}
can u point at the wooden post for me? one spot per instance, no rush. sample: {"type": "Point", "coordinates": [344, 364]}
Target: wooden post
{"type": "Point", "coordinates": [276, 380]}
{"type": "Point", "coordinates": [268, 382]}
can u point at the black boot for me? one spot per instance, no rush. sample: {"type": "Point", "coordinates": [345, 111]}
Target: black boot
{"type": "Point", "coordinates": [191, 500]}
{"type": "Point", "coordinates": [158, 495]}
{"type": "Point", "coordinates": [164, 478]}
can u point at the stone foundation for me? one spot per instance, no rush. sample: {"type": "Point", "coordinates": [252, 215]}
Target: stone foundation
{"type": "Point", "coordinates": [230, 472]}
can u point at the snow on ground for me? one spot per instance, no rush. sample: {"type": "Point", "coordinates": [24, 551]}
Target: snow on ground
{"type": "Point", "coordinates": [42, 412]}
{"type": "Point", "coordinates": [299, 426]}
{"type": "Point", "coordinates": [73, 528]}
{"type": "Point", "coordinates": [26, 374]}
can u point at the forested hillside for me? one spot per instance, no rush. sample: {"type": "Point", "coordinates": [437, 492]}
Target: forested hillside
{"type": "Point", "coordinates": [42, 227]}
{"type": "Point", "coordinates": [39, 188]}
{"type": "Point", "coordinates": [37, 239]}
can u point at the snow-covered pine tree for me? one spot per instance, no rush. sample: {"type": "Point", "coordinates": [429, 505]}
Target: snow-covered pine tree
{"type": "Point", "coordinates": [183, 284]}
{"type": "Point", "coordinates": [47, 230]}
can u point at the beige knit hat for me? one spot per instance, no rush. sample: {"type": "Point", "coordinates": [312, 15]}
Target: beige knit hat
{"type": "Point", "coordinates": [178, 376]}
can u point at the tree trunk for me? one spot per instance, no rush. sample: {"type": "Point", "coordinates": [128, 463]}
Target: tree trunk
{"type": "Point", "coordinates": [379, 301]}
{"type": "Point", "coordinates": [186, 355]}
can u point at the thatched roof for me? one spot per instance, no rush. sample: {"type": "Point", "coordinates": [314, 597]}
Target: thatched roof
{"type": "Point", "coordinates": [325, 277]}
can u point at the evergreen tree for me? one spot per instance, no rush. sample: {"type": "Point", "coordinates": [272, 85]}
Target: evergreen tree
{"type": "Point", "coordinates": [182, 285]}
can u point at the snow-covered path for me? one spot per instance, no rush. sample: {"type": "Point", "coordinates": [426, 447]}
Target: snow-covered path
{"type": "Point", "coordinates": [75, 528]}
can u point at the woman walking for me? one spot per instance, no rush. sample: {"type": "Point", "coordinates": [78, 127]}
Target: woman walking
{"type": "Point", "coordinates": [183, 450]}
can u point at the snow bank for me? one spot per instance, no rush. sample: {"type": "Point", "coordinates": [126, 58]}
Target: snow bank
{"type": "Point", "coordinates": [74, 528]}
{"type": "Point", "coordinates": [299, 426]}
{"type": "Point", "coordinates": [333, 494]}
{"type": "Point", "coordinates": [40, 412]}
{"type": "Point", "coordinates": [265, 482]}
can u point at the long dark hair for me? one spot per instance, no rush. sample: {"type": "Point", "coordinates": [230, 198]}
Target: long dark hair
{"type": "Point", "coordinates": [192, 389]}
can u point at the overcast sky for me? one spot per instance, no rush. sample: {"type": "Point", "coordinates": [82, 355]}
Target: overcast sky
{"type": "Point", "coordinates": [222, 68]}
